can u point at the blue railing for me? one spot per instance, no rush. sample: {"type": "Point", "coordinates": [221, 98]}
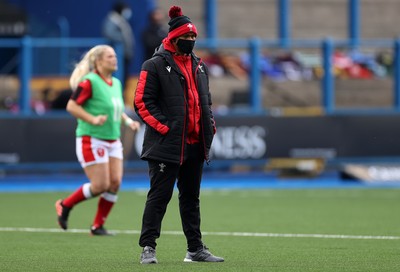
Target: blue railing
{"type": "Point", "coordinates": [253, 45]}
{"type": "Point", "coordinates": [26, 46]}
{"type": "Point", "coordinates": [327, 47]}
{"type": "Point", "coordinates": [284, 22]}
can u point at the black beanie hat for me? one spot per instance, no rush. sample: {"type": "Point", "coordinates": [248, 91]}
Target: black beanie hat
{"type": "Point", "coordinates": [177, 21]}
{"type": "Point", "coordinates": [177, 18]}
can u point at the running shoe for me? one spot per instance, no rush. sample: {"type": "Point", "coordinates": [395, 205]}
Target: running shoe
{"type": "Point", "coordinates": [100, 231]}
{"type": "Point", "coordinates": [148, 256]}
{"type": "Point", "coordinates": [202, 255]}
{"type": "Point", "coordinates": [62, 214]}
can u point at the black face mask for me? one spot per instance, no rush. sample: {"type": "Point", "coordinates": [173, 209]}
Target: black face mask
{"type": "Point", "coordinates": [185, 46]}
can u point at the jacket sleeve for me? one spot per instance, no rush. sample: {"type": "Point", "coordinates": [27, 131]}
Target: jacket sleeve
{"type": "Point", "coordinates": [146, 97]}
{"type": "Point", "coordinates": [212, 115]}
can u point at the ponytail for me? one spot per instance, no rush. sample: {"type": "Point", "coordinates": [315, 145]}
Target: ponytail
{"type": "Point", "coordinates": [86, 65]}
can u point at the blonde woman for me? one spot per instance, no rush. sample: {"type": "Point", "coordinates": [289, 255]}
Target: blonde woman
{"type": "Point", "coordinates": [98, 105]}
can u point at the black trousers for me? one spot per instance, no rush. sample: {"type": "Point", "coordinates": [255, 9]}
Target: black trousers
{"type": "Point", "coordinates": [162, 181]}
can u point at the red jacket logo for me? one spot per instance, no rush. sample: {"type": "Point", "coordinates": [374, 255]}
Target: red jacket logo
{"type": "Point", "coordinates": [100, 152]}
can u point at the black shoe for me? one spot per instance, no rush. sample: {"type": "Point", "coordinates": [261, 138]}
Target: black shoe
{"type": "Point", "coordinates": [62, 214]}
{"type": "Point", "coordinates": [202, 255]}
{"type": "Point", "coordinates": [148, 255]}
{"type": "Point", "coordinates": [100, 231]}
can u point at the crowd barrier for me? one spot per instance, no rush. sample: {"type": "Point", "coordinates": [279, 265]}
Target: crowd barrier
{"type": "Point", "coordinates": [254, 46]}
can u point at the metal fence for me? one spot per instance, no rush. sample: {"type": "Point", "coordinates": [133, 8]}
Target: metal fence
{"type": "Point", "coordinates": [254, 46]}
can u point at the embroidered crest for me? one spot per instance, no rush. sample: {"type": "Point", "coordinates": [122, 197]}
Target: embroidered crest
{"type": "Point", "coordinates": [201, 68]}
{"type": "Point", "coordinates": [162, 166]}
{"type": "Point", "coordinates": [100, 152]}
{"type": "Point", "coordinates": [190, 26]}
{"type": "Point", "coordinates": [168, 69]}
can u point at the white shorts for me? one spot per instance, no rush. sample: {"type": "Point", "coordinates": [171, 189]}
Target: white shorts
{"type": "Point", "coordinates": [90, 150]}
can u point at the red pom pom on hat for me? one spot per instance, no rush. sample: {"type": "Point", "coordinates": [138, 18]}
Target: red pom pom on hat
{"type": "Point", "coordinates": [174, 12]}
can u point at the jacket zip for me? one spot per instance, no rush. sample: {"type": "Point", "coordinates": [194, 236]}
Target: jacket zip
{"type": "Point", "coordinates": [184, 121]}
{"type": "Point", "coordinates": [201, 115]}
{"type": "Point", "coordinates": [194, 97]}
{"type": "Point", "coordinates": [182, 79]}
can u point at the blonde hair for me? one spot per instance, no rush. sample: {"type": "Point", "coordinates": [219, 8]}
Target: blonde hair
{"type": "Point", "coordinates": [86, 65]}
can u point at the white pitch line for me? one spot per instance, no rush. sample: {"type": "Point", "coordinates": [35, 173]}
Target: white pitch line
{"type": "Point", "coordinates": [239, 234]}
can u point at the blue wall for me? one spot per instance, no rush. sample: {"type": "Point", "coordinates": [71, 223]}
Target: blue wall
{"type": "Point", "coordinates": [84, 17]}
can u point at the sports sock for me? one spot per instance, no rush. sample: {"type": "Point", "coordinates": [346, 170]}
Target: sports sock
{"type": "Point", "coordinates": [106, 202]}
{"type": "Point", "coordinates": [79, 195]}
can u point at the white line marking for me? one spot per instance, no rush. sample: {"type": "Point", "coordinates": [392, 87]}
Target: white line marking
{"type": "Point", "coordinates": [241, 234]}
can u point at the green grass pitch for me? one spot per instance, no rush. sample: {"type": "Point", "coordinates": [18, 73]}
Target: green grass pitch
{"type": "Point", "coordinates": [254, 230]}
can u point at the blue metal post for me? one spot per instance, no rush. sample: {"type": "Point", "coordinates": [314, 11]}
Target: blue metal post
{"type": "Point", "coordinates": [328, 94]}
{"type": "Point", "coordinates": [396, 74]}
{"type": "Point", "coordinates": [255, 75]}
{"type": "Point", "coordinates": [354, 22]}
{"type": "Point", "coordinates": [211, 11]}
{"type": "Point", "coordinates": [25, 74]}
{"type": "Point", "coordinates": [64, 33]}
{"type": "Point", "coordinates": [284, 22]}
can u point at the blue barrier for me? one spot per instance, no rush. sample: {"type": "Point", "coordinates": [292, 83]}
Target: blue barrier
{"type": "Point", "coordinates": [284, 23]}
{"type": "Point", "coordinates": [26, 45]}
{"type": "Point", "coordinates": [253, 45]}
{"type": "Point", "coordinates": [354, 22]}
{"type": "Point", "coordinates": [328, 96]}
{"type": "Point", "coordinates": [396, 75]}
{"type": "Point", "coordinates": [327, 46]}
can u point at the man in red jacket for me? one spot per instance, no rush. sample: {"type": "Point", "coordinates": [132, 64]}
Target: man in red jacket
{"type": "Point", "coordinates": [173, 100]}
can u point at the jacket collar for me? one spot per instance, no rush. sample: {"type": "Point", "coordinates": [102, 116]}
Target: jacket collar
{"type": "Point", "coordinates": [166, 49]}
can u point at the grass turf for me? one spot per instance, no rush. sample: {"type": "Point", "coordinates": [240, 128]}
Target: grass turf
{"type": "Point", "coordinates": [356, 213]}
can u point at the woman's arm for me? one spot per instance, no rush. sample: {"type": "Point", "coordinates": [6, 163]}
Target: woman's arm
{"type": "Point", "coordinates": [134, 125]}
{"type": "Point", "coordinates": [78, 112]}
